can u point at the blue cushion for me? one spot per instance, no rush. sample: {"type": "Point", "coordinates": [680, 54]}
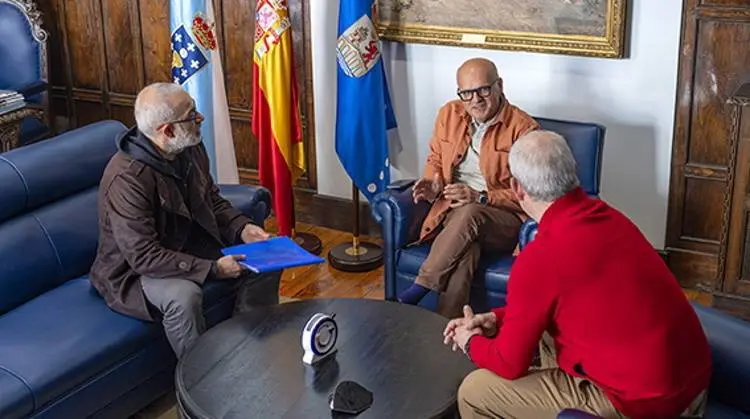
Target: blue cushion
{"type": "Point", "coordinates": [730, 380]}
{"type": "Point", "coordinates": [586, 141]}
{"type": "Point", "coordinates": [52, 348]}
{"type": "Point", "coordinates": [716, 410]}
{"type": "Point", "coordinates": [46, 166]}
{"type": "Point", "coordinates": [16, 400]}
{"type": "Point", "coordinates": [44, 248]}
{"type": "Point", "coordinates": [14, 190]}
{"type": "Point", "coordinates": [29, 264]}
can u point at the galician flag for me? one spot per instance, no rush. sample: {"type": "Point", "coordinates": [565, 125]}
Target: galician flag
{"type": "Point", "coordinates": [196, 66]}
{"type": "Point", "coordinates": [276, 117]}
{"type": "Point", "coordinates": [363, 110]}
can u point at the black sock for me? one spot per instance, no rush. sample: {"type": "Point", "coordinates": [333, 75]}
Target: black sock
{"type": "Point", "coordinates": [413, 294]}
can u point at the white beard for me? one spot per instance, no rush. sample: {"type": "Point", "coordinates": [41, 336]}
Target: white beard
{"type": "Point", "coordinates": [181, 141]}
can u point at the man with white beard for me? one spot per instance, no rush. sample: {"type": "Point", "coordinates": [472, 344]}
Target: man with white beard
{"type": "Point", "coordinates": [162, 223]}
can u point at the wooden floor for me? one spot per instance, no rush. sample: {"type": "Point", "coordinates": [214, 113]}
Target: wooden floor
{"type": "Point", "coordinates": [323, 281]}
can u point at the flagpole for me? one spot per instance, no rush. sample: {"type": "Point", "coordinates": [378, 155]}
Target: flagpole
{"type": "Point", "coordinates": [307, 241]}
{"type": "Point", "coordinates": [357, 256]}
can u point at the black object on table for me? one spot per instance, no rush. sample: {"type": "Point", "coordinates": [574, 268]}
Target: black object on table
{"type": "Point", "coordinates": [251, 366]}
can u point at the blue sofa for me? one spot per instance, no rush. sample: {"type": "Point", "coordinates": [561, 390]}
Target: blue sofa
{"type": "Point", "coordinates": [729, 391]}
{"type": "Point", "coordinates": [63, 352]}
{"type": "Point", "coordinates": [400, 220]}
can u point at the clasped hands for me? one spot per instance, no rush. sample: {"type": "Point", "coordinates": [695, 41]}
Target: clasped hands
{"type": "Point", "coordinates": [228, 266]}
{"type": "Point", "coordinates": [458, 331]}
{"type": "Point", "coordinates": [431, 189]}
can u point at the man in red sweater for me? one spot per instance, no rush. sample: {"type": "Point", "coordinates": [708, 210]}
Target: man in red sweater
{"type": "Point", "coordinates": [617, 336]}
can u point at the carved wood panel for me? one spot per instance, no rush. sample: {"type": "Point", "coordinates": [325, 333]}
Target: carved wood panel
{"type": "Point", "coordinates": [714, 63]}
{"type": "Point", "coordinates": [736, 274]}
{"type": "Point", "coordinates": [105, 51]}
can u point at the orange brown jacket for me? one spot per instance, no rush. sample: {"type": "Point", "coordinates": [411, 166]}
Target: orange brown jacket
{"type": "Point", "coordinates": [449, 144]}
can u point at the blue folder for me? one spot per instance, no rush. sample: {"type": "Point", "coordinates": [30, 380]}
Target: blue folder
{"type": "Point", "coordinates": [272, 255]}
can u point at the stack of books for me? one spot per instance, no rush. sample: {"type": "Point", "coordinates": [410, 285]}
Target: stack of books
{"type": "Point", "coordinates": [10, 101]}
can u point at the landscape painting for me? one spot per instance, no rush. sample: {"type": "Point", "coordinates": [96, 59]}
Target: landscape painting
{"type": "Point", "coordinates": [575, 27]}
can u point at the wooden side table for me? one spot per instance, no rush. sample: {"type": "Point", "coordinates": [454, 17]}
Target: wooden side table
{"type": "Point", "coordinates": [10, 125]}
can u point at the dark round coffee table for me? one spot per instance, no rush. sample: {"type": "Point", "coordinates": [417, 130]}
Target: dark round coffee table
{"type": "Point", "coordinates": [251, 366]}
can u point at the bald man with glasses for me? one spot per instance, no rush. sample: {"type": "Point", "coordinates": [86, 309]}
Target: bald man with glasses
{"type": "Point", "coordinates": [467, 182]}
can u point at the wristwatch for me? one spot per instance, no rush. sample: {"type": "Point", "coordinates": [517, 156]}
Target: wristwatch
{"type": "Point", "coordinates": [482, 198]}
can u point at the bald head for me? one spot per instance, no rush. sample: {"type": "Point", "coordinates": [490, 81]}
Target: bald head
{"type": "Point", "coordinates": [480, 68]}
{"type": "Point", "coordinates": [480, 88]}
{"type": "Point", "coordinates": [158, 104]}
{"type": "Point", "coordinates": [543, 165]}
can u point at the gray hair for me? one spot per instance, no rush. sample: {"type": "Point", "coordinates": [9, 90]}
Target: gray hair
{"type": "Point", "coordinates": [151, 110]}
{"type": "Point", "coordinates": [543, 165]}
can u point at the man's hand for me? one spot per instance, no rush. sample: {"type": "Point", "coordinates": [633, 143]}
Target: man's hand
{"type": "Point", "coordinates": [427, 189]}
{"type": "Point", "coordinates": [485, 324]}
{"type": "Point", "coordinates": [227, 266]}
{"type": "Point", "coordinates": [460, 194]}
{"type": "Point", "coordinates": [252, 233]}
{"type": "Point", "coordinates": [462, 337]}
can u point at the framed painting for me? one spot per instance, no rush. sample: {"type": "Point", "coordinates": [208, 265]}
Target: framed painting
{"type": "Point", "coordinates": [594, 28]}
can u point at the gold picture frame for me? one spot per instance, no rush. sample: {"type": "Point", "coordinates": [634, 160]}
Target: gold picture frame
{"type": "Point", "coordinates": [610, 45]}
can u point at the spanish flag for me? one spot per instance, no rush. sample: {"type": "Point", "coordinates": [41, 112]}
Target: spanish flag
{"type": "Point", "coordinates": [275, 118]}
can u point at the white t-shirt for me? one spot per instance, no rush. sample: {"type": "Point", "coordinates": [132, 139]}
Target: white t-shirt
{"type": "Point", "coordinates": [468, 170]}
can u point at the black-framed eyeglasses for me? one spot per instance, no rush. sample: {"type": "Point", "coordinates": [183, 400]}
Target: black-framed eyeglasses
{"type": "Point", "coordinates": [483, 91]}
{"type": "Point", "coordinates": [193, 116]}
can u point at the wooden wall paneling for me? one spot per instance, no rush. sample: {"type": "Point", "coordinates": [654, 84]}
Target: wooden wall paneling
{"type": "Point", "coordinates": [714, 60]}
{"type": "Point", "coordinates": [238, 27]}
{"type": "Point", "coordinates": [121, 30]}
{"type": "Point", "coordinates": [156, 51]}
{"type": "Point", "coordinates": [59, 65]}
{"type": "Point", "coordinates": [110, 49]}
{"type": "Point", "coordinates": [735, 273]}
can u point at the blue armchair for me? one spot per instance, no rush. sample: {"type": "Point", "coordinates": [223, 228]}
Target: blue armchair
{"type": "Point", "coordinates": [401, 219]}
{"type": "Point", "coordinates": [729, 338]}
{"type": "Point", "coordinates": [23, 52]}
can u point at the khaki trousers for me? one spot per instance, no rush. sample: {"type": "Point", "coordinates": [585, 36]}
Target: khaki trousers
{"type": "Point", "coordinates": [466, 232]}
{"type": "Point", "coordinates": [542, 393]}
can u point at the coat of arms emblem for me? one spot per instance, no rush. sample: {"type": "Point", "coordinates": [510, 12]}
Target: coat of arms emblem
{"type": "Point", "coordinates": [358, 48]}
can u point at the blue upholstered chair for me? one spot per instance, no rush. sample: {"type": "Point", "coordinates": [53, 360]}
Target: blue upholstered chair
{"type": "Point", "coordinates": [23, 54]}
{"type": "Point", "coordinates": [401, 219]}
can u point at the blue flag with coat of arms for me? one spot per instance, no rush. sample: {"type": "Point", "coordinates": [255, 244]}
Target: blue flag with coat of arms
{"type": "Point", "coordinates": [363, 111]}
{"type": "Point", "coordinates": [196, 66]}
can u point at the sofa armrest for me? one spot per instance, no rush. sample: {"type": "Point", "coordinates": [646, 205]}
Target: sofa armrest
{"type": "Point", "coordinates": [399, 217]}
{"type": "Point", "coordinates": [400, 220]}
{"type": "Point", "coordinates": [527, 234]}
{"type": "Point", "coordinates": [576, 414]}
{"type": "Point", "coordinates": [253, 201]}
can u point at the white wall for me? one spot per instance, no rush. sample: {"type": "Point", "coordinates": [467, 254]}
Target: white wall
{"type": "Point", "coordinates": [634, 98]}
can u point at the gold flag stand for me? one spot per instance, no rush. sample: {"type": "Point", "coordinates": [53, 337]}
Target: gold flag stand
{"type": "Point", "coordinates": [357, 256]}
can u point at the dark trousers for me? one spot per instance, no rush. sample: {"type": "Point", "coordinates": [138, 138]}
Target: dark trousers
{"type": "Point", "coordinates": [466, 232]}
{"type": "Point", "coordinates": [180, 302]}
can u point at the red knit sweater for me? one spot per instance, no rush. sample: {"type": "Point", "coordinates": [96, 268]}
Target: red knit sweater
{"type": "Point", "coordinates": [616, 312]}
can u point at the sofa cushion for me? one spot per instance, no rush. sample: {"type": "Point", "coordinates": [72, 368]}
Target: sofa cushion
{"type": "Point", "coordinates": [492, 273]}
{"type": "Point", "coordinates": [14, 190]}
{"type": "Point", "coordinates": [68, 335]}
{"type": "Point", "coordinates": [44, 248]}
{"type": "Point", "coordinates": [716, 410]}
{"type": "Point", "coordinates": [15, 397]}
{"type": "Point", "coordinates": [56, 168]}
